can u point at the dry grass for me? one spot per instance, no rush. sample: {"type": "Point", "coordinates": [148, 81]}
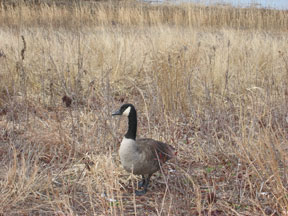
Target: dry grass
{"type": "Point", "coordinates": [213, 87]}
{"type": "Point", "coordinates": [74, 14]}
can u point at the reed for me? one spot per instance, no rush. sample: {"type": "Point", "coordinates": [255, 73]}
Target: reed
{"type": "Point", "coordinates": [72, 14]}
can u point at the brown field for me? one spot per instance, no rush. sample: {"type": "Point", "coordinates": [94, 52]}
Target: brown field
{"type": "Point", "coordinates": [211, 81]}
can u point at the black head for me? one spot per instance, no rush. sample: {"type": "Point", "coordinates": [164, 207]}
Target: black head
{"type": "Point", "coordinates": [125, 110]}
{"type": "Point", "coordinates": [129, 111]}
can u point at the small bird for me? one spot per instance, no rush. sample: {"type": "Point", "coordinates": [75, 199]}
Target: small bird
{"type": "Point", "coordinates": [141, 156]}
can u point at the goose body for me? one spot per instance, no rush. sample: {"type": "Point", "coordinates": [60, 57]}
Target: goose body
{"type": "Point", "coordinates": [141, 156]}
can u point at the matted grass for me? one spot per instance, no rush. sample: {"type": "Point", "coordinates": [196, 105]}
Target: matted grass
{"type": "Point", "coordinates": [215, 90]}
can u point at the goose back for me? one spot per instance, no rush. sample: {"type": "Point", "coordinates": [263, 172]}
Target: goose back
{"type": "Point", "coordinates": [144, 156]}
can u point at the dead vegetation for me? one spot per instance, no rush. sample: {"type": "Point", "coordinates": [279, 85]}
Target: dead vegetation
{"type": "Point", "coordinates": [212, 82]}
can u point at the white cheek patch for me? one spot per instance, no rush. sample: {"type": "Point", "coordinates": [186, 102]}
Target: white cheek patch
{"type": "Point", "coordinates": [127, 111]}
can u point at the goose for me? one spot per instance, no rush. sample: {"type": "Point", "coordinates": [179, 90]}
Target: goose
{"type": "Point", "coordinates": [142, 156]}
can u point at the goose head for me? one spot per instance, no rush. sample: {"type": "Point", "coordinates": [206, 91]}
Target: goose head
{"type": "Point", "coordinates": [125, 110]}
{"type": "Point", "coordinates": [129, 111]}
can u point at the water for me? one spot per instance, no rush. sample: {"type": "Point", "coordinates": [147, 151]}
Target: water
{"type": "Point", "coordinates": [274, 4]}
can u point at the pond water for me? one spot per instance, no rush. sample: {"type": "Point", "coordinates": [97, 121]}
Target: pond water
{"type": "Point", "coordinates": [275, 4]}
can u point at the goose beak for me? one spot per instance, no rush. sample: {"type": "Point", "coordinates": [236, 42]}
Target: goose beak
{"type": "Point", "coordinates": [116, 113]}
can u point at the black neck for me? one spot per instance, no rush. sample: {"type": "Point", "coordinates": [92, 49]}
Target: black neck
{"type": "Point", "coordinates": [132, 125]}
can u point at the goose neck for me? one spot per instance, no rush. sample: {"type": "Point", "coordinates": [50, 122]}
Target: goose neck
{"type": "Point", "coordinates": [132, 125]}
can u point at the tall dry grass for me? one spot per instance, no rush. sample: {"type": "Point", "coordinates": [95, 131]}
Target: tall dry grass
{"type": "Point", "coordinates": [212, 86]}
{"type": "Point", "coordinates": [72, 14]}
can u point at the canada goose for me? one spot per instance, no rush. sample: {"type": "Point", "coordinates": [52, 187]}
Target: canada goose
{"type": "Point", "coordinates": [141, 156]}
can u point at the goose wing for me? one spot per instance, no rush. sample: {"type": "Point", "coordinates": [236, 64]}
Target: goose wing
{"type": "Point", "coordinates": [155, 150]}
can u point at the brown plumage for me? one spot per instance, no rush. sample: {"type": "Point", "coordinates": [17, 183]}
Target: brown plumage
{"type": "Point", "coordinates": [158, 151]}
{"type": "Point", "coordinates": [141, 156]}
